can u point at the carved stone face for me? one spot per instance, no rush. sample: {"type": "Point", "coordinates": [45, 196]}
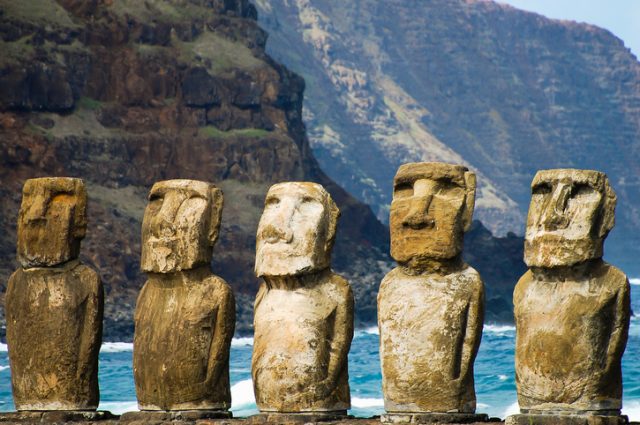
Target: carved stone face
{"type": "Point", "coordinates": [52, 221]}
{"type": "Point", "coordinates": [432, 207]}
{"type": "Point", "coordinates": [296, 230]}
{"type": "Point", "coordinates": [180, 225]}
{"type": "Point", "coordinates": [570, 215]}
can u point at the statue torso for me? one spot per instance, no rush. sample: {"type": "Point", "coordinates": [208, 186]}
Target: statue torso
{"type": "Point", "coordinates": [423, 321]}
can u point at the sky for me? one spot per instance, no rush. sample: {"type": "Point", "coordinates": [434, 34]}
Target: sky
{"type": "Point", "coordinates": [621, 17]}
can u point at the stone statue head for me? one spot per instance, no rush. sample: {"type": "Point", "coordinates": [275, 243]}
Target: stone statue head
{"type": "Point", "coordinates": [570, 215]}
{"type": "Point", "coordinates": [432, 207]}
{"type": "Point", "coordinates": [52, 221]}
{"type": "Point", "coordinates": [180, 226]}
{"type": "Point", "coordinates": [296, 231]}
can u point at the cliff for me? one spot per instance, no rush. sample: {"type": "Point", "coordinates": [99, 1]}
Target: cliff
{"type": "Point", "coordinates": [504, 91]}
{"type": "Point", "coordinates": [123, 93]}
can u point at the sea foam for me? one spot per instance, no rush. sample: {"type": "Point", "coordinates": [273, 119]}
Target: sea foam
{"type": "Point", "coordinates": [243, 341]}
{"type": "Point", "coordinates": [118, 407]}
{"type": "Point", "coordinates": [632, 410]}
{"type": "Point", "coordinates": [364, 403]}
{"type": "Point", "coordinates": [116, 347]}
{"type": "Point", "coordinates": [242, 395]}
{"type": "Point", "coordinates": [3, 348]}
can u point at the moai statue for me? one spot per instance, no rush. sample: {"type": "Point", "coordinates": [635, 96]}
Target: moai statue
{"type": "Point", "coordinates": [185, 315]}
{"type": "Point", "coordinates": [430, 307]}
{"type": "Point", "coordinates": [572, 309]}
{"type": "Point", "coordinates": [303, 323]}
{"type": "Point", "coordinates": [54, 303]}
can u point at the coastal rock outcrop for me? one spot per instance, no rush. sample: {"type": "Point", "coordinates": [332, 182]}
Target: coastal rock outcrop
{"type": "Point", "coordinates": [127, 93]}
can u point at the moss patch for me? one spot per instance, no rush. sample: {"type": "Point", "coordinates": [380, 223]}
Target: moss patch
{"type": "Point", "coordinates": [217, 53]}
{"type": "Point", "coordinates": [159, 10]}
{"type": "Point", "coordinates": [88, 103]}
{"type": "Point", "coordinates": [213, 132]}
{"type": "Point", "coordinates": [37, 12]}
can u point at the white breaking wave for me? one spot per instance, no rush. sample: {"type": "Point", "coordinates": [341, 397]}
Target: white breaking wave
{"type": "Point", "coordinates": [118, 407]}
{"type": "Point", "coordinates": [482, 406]}
{"type": "Point", "coordinates": [503, 377]}
{"type": "Point", "coordinates": [373, 330]}
{"type": "Point", "coordinates": [631, 409]}
{"type": "Point", "coordinates": [364, 403]}
{"type": "Point", "coordinates": [242, 394]}
{"type": "Point", "coordinates": [513, 409]}
{"type": "Point", "coordinates": [3, 368]}
{"type": "Point", "coordinates": [499, 329]}
{"type": "Point", "coordinates": [634, 281]}
{"type": "Point", "coordinates": [243, 341]}
{"type": "Point", "coordinates": [3, 348]}
{"type": "Point", "coordinates": [116, 347]}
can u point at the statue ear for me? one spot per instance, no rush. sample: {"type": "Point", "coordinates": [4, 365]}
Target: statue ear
{"type": "Point", "coordinates": [80, 211]}
{"type": "Point", "coordinates": [217, 202]}
{"type": "Point", "coordinates": [333, 213]}
{"type": "Point", "coordinates": [608, 210]}
{"type": "Point", "coordinates": [469, 199]}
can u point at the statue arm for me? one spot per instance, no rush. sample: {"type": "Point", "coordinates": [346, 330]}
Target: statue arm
{"type": "Point", "coordinates": [93, 308]}
{"type": "Point", "coordinates": [222, 333]}
{"type": "Point", "coordinates": [341, 339]}
{"type": "Point", "coordinates": [620, 328]}
{"type": "Point", "coordinates": [473, 330]}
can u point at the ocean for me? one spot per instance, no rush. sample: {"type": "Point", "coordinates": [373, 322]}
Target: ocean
{"type": "Point", "coordinates": [494, 373]}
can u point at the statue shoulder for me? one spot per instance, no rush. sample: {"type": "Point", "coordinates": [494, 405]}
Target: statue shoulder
{"type": "Point", "coordinates": [523, 284]}
{"type": "Point", "coordinates": [340, 285]}
{"type": "Point", "coordinates": [89, 278]}
{"type": "Point", "coordinates": [614, 278]}
{"type": "Point", "coordinates": [472, 279]}
{"type": "Point", "coordinates": [390, 278]}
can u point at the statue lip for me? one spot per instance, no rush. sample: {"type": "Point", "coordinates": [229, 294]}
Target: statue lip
{"type": "Point", "coordinates": [419, 225]}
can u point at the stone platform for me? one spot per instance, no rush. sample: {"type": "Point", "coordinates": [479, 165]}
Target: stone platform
{"type": "Point", "coordinates": [23, 418]}
{"type": "Point", "coordinates": [56, 416]}
{"type": "Point", "coordinates": [145, 416]}
{"type": "Point", "coordinates": [548, 419]}
{"type": "Point", "coordinates": [298, 418]}
{"type": "Point", "coordinates": [434, 418]}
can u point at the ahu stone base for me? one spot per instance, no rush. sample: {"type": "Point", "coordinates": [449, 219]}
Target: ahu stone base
{"type": "Point", "coordinates": [433, 418]}
{"type": "Point", "coordinates": [295, 418]}
{"type": "Point", "coordinates": [564, 419]}
{"type": "Point", "coordinates": [174, 415]}
{"type": "Point", "coordinates": [56, 416]}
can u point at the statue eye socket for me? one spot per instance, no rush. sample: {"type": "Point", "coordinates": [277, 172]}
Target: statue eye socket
{"type": "Point", "coordinates": [272, 200]}
{"type": "Point", "coordinates": [581, 189]}
{"type": "Point", "coordinates": [541, 189]}
{"type": "Point", "coordinates": [307, 199]}
{"type": "Point", "coordinates": [155, 197]}
{"type": "Point", "coordinates": [403, 190]}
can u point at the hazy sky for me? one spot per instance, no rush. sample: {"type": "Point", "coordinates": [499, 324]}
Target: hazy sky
{"type": "Point", "coordinates": [621, 17]}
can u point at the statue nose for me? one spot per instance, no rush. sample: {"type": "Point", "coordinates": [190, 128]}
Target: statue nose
{"type": "Point", "coordinates": [418, 216]}
{"type": "Point", "coordinates": [274, 234]}
{"type": "Point", "coordinates": [164, 221]}
{"type": "Point", "coordinates": [554, 215]}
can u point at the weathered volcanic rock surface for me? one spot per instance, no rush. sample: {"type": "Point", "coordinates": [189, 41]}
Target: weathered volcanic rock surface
{"type": "Point", "coordinates": [504, 91]}
{"type": "Point", "coordinates": [123, 93]}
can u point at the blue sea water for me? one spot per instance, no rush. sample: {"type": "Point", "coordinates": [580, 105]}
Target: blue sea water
{"type": "Point", "coordinates": [494, 373]}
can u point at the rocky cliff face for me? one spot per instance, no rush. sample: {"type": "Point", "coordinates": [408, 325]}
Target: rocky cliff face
{"type": "Point", "coordinates": [123, 93]}
{"type": "Point", "coordinates": [504, 91]}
